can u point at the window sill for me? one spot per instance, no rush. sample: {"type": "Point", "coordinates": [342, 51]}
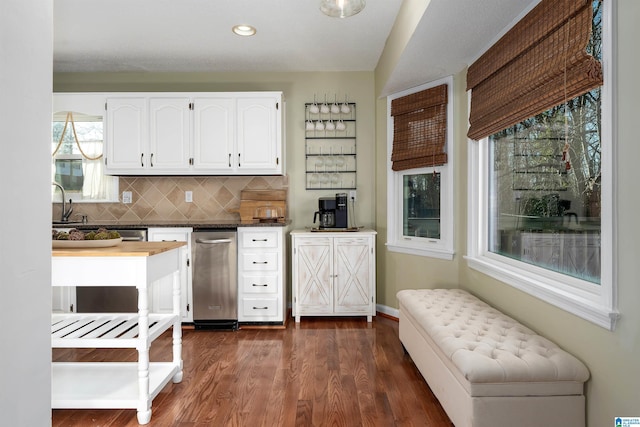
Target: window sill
{"type": "Point", "coordinates": [82, 201]}
{"type": "Point", "coordinates": [548, 290]}
{"type": "Point", "coordinates": [426, 252]}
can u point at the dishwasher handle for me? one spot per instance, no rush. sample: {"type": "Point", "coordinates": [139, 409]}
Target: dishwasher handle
{"type": "Point", "coordinates": [133, 239]}
{"type": "Point", "coordinates": [213, 241]}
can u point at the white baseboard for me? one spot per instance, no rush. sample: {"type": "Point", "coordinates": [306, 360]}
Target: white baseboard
{"type": "Point", "coordinates": [389, 311]}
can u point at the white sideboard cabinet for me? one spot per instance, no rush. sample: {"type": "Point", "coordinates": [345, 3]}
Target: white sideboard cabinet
{"type": "Point", "coordinates": [261, 266]}
{"type": "Point", "coordinates": [200, 133]}
{"type": "Point", "coordinates": [333, 273]}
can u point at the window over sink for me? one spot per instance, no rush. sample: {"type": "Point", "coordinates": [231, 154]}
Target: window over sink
{"type": "Point", "coordinates": [77, 148]}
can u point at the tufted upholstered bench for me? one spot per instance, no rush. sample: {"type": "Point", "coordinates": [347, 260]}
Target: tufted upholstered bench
{"type": "Point", "coordinates": [485, 368]}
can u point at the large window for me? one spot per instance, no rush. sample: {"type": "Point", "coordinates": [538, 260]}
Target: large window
{"type": "Point", "coordinates": [541, 196]}
{"type": "Point", "coordinates": [545, 187]}
{"type": "Point", "coordinates": [419, 199]}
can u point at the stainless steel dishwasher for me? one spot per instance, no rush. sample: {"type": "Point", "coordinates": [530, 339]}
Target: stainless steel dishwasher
{"type": "Point", "coordinates": [214, 274]}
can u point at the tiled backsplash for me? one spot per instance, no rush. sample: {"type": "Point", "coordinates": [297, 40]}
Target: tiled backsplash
{"type": "Point", "coordinates": [163, 198]}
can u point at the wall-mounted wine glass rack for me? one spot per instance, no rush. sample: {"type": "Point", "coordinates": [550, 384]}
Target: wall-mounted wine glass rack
{"type": "Point", "coordinates": [330, 146]}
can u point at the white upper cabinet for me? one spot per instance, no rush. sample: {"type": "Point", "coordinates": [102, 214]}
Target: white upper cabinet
{"type": "Point", "coordinates": [258, 133]}
{"type": "Point", "coordinates": [234, 133]}
{"type": "Point", "coordinates": [214, 134]}
{"type": "Point", "coordinates": [147, 135]}
{"type": "Point", "coordinates": [127, 134]}
{"type": "Point", "coordinates": [169, 133]}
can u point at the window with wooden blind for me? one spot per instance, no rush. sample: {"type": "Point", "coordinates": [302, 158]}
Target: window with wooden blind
{"type": "Point", "coordinates": [541, 192]}
{"type": "Point", "coordinates": [420, 129]}
{"type": "Point", "coordinates": [420, 201]}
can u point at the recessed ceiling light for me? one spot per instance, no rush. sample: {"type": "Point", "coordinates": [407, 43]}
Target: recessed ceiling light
{"type": "Point", "coordinates": [243, 30]}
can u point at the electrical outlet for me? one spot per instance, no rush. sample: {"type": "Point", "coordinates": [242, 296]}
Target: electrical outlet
{"type": "Point", "coordinates": [352, 195]}
{"type": "Point", "coordinates": [188, 196]}
{"type": "Point", "coordinates": [126, 197]}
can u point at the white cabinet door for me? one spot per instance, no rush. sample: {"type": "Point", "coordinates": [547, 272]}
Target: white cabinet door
{"type": "Point", "coordinates": [126, 135]}
{"type": "Point", "coordinates": [214, 134]}
{"type": "Point", "coordinates": [259, 134]}
{"type": "Point", "coordinates": [63, 299]}
{"type": "Point", "coordinates": [313, 275]}
{"type": "Point", "coordinates": [169, 139]}
{"type": "Point", "coordinates": [161, 293]}
{"type": "Point", "coordinates": [352, 266]}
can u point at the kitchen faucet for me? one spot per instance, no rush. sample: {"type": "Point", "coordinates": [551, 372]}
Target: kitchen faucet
{"type": "Point", "coordinates": [65, 213]}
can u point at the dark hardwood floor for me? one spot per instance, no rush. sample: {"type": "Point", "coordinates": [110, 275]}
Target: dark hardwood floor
{"type": "Point", "coordinates": [322, 372]}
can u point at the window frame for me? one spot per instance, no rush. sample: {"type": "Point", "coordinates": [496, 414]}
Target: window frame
{"type": "Point", "coordinates": [442, 248]}
{"type": "Point", "coordinates": [90, 104]}
{"type": "Point", "coordinates": [596, 303]}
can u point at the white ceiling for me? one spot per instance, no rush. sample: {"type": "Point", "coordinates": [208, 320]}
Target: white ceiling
{"type": "Point", "coordinates": [293, 36]}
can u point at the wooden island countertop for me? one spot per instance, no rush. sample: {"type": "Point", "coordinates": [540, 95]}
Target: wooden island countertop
{"type": "Point", "coordinates": [123, 249]}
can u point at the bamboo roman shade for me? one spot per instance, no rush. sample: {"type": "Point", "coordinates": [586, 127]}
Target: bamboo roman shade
{"type": "Point", "coordinates": [419, 129]}
{"type": "Point", "coordinates": [540, 63]}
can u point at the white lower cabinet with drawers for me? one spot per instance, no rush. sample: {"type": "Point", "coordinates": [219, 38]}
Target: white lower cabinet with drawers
{"type": "Point", "coordinates": [333, 273]}
{"type": "Point", "coordinates": [261, 262]}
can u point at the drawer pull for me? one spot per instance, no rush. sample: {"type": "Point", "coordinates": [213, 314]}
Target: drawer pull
{"type": "Point", "coordinates": [260, 308]}
{"type": "Point", "coordinates": [259, 240]}
{"type": "Point", "coordinates": [257, 285]}
{"type": "Point", "coordinates": [261, 262]}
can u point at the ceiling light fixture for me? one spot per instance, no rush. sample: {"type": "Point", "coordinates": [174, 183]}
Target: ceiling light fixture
{"type": "Point", "coordinates": [341, 8]}
{"type": "Point", "coordinates": [243, 30]}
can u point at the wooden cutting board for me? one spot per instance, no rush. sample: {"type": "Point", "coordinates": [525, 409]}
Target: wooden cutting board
{"type": "Point", "coordinates": [248, 208]}
{"type": "Point", "coordinates": [251, 200]}
{"type": "Point", "coordinates": [268, 195]}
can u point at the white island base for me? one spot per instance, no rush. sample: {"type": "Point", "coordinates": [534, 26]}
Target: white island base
{"type": "Point", "coordinates": [116, 385]}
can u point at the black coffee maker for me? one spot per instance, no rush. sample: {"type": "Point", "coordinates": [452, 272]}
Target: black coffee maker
{"type": "Point", "coordinates": [332, 212]}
